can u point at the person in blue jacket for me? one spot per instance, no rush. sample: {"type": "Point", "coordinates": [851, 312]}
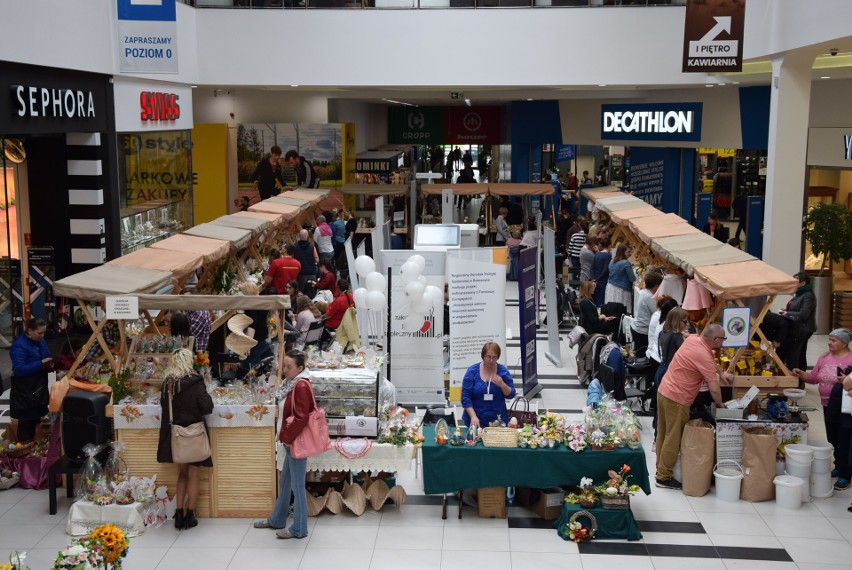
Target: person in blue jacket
{"type": "Point", "coordinates": [31, 361]}
{"type": "Point", "coordinates": [485, 388]}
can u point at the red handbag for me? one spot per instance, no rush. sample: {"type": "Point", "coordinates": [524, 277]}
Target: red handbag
{"type": "Point", "coordinates": [314, 438]}
{"type": "Point", "coordinates": [524, 416]}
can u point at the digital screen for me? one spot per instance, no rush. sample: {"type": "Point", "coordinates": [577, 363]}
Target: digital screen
{"type": "Point", "coordinates": [437, 235]}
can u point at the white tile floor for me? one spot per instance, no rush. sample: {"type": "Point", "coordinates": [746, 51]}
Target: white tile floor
{"type": "Point", "coordinates": [818, 536]}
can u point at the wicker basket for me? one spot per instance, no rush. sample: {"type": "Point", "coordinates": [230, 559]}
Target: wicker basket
{"type": "Point", "coordinates": [499, 437]}
{"type": "Point", "coordinates": [616, 503]}
{"type": "Point", "coordinates": [9, 483]}
{"type": "Point", "coordinates": [21, 449]}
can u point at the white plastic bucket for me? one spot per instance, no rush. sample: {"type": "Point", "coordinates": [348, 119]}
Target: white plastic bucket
{"type": "Point", "coordinates": [821, 486]}
{"type": "Point", "coordinates": [806, 486]}
{"type": "Point", "coordinates": [729, 476]}
{"type": "Point", "coordinates": [788, 491]}
{"type": "Point", "coordinates": [823, 452]}
{"type": "Point", "coordinates": [799, 459]}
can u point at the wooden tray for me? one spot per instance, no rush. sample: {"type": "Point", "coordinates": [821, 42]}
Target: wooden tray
{"type": "Point", "coordinates": [767, 384]}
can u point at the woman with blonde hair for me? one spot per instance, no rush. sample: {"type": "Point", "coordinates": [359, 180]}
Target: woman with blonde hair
{"type": "Point", "coordinates": [589, 318]}
{"type": "Point", "coordinates": [190, 402]}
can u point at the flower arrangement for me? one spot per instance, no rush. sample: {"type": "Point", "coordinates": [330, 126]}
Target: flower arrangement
{"type": "Point", "coordinates": [120, 385]}
{"type": "Point", "coordinates": [79, 556]}
{"type": "Point", "coordinates": [588, 495]}
{"type": "Point", "coordinates": [396, 426]}
{"type": "Point", "coordinates": [618, 483]}
{"type": "Point", "coordinates": [575, 437]}
{"type": "Point", "coordinates": [105, 547]}
{"type": "Point", "coordinates": [202, 360]}
{"type": "Point", "coordinates": [112, 541]}
{"type": "Point", "coordinates": [575, 530]}
{"type": "Point", "coordinates": [551, 427]}
{"type": "Point", "coordinates": [602, 441]}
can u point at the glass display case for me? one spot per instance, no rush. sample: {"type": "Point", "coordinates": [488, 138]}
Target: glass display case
{"type": "Point", "coordinates": [143, 225]}
{"type": "Point", "coordinates": [347, 392]}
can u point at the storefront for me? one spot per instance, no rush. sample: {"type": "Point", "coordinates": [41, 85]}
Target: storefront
{"type": "Point", "coordinates": [57, 133]}
{"type": "Point", "coordinates": [155, 176]}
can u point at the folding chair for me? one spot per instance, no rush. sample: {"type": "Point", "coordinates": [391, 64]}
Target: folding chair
{"type": "Point", "coordinates": [313, 336]}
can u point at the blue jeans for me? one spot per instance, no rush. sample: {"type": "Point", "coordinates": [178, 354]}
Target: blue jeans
{"type": "Point", "coordinates": [292, 482]}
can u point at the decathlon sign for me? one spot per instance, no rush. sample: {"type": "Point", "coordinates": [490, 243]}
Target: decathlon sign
{"type": "Point", "coordinates": [652, 122]}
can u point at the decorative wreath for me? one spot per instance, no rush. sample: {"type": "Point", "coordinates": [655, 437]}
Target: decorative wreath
{"type": "Point", "coordinates": [576, 531]}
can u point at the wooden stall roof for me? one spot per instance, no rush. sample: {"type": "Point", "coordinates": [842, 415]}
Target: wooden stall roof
{"type": "Point", "coordinates": [321, 193]}
{"type": "Point", "coordinates": [298, 202]}
{"type": "Point", "coordinates": [214, 302]}
{"type": "Point", "coordinates": [610, 205]}
{"type": "Point", "coordinates": [94, 284]}
{"type": "Point", "coordinates": [376, 189]}
{"type": "Point", "coordinates": [521, 189]}
{"type": "Point", "coordinates": [273, 219]}
{"type": "Point", "coordinates": [649, 233]}
{"type": "Point", "coordinates": [288, 211]}
{"type": "Point", "coordinates": [235, 236]}
{"type": "Point", "coordinates": [623, 217]}
{"type": "Point", "coordinates": [745, 279]}
{"type": "Point", "coordinates": [178, 263]}
{"type": "Point", "coordinates": [209, 249]}
{"type": "Point", "coordinates": [458, 189]}
{"type": "Point", "coordinates": [304, 194]}
{"type": "Point", "coordinates": [254, 225]}
{"type": "Point", "coordinates": [597, 192]}
{"type": "Point", "coordinates": [693, 250]}
{"type": "Point", "coordinates": [638, 224]}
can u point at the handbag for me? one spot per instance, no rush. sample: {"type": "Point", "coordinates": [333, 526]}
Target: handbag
{"type": "Point", "coordinates": [313, 439]}
{"type": "Point", "coordinates": [524, 416]}
{"type": "Point", "coordinates": [190, 444]}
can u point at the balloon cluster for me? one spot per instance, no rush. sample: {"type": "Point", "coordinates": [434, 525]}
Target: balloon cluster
{"type": "Point", "coordinates": [373, 295]}
{"type": "Point", "coordinates": [422, 297]}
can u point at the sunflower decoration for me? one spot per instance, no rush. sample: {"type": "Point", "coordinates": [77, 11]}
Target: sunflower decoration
{"type": "Point", "coordinates": [114, 543]}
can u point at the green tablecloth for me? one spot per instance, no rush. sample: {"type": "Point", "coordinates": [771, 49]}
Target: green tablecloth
{"type": "Point", "coordinates": [611, 523]}
{"type": "Point", "coordinates": [446, 469]}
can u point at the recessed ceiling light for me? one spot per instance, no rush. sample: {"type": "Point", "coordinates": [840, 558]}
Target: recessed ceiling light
{"type": "Point", "coordinates": [601, 84]}
{"type": "Point", "coordinates": [194, 86]}
{"type": "Point", "coordinates": [294, 86]}
{"type": "Point", "coordinates": [825, 77]}
{"type": "Point", "coordinates": [709, 85]}
{"type": "Point", "coordinates": [529, 99]}
{"type": "Point", "coordinates": [736, 82]}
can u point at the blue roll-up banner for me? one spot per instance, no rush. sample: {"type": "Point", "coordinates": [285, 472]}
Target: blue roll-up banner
{"type": "Point", "coordinates": [147, 36]}
{"type": "Point", "coordinates": [705, 206]}
{"type": "Point", "coordinates": [655, 176]}
{"type": "Point", "coordinates": [754, 226]}
{"type": "Point", "coordinates": [527, 284]}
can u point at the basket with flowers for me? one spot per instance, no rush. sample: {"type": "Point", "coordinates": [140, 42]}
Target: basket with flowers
{"type": "Point", "coordinates": [615, 492]}
{"type": "Point", "coordinates": [586, 496]}
{"type": "Point", "coordinates": [576, 531]}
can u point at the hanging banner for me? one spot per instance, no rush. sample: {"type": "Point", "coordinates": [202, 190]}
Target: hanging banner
{"type": "Point", "coordinates": [737, 324]}
{"type": "Point", "coordinates": [416, 338]}
{"type": "Point", "coordinates": [415, 125]}
{"type": "Point", "coordinates": [472, 125]}
{"type": "Point", "coordinates": [147, 36]}
{"type": "Point", "coordinates": [713, 36]}
{"type": "Point", "coordinates": [477, 288]}
{"type": "Point", "coordinates": [563, 153]}
{"type": "Point", "coordinates": [527, 290]}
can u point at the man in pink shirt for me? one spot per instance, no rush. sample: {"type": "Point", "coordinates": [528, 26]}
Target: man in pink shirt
{"type": "Point", "coordinates": [692, 366]}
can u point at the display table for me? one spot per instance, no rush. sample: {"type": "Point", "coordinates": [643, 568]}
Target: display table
{"type": "Point", "coordinates": [242, 482]}
{"type": "Point", "coordinates": [85, 516]}
{"type": "Point", "coordinates": [447, 469]}
{"type": "Point", "coordinates": [380, 457]}
{"type": "Point", "coordinates": [611, 523]}
{"type": "Point", "coordinates": [729, 435]}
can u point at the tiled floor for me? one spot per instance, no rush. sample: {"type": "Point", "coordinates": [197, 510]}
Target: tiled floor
{"type": "Point", "coordinates": [695, 532]}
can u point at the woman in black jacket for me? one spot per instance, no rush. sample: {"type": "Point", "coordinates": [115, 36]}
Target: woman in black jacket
{"type": "Point", "coordinates": [802, 308]}
{"type": "Point", "coordinates": [191, 403]}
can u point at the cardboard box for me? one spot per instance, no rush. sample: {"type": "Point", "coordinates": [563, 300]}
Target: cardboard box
{"type": "Point", "coordinates": [492, 503]}
{"type": "Point", "coordinates": [727, 414]}
{"type": "Point", "coordinates": [548, 505]}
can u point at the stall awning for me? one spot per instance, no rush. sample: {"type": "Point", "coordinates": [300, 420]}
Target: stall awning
{"type": "Point", "coordinates": [521, 189]}
{"type": "Point", "coordinates": [375, 189]}
{"type": "Point", "coordinates": [316, 193]}
{"type": "Point", "coordinates": [693, 250]}
{"type": "Point", "coordinates": [619, 203]}
{"type": "Point", "coordinates": [273, 219]}
{"type": "Point", "coordinates": [597, 192]}
{"type": "Point", "coordinates": [179, 263]}
{"type": "Point", "coordinates": [237, 237]}
{"type": "Point", "coordinates": [298, 202]}
{"type": "Point", "coordinates": [254, 225]}
{"type": "Point", "coordinates": [638, 224]}
{"type": "Point", "coordinates": [289, 211]}
{"type": "Point", "coordinates": [209, 249]}
{"type": "Point", "coordinates": [623, 217]}
{"type": "Point", "coordinates": [745, 279]}
{"type": "Point", "coordinates": [214, 302]}
{"type": "Point", "coordinates": [650, 233]}
{"type": "Point", "coordinates": [94, 284]}
{"type": "Point", "coordinates": [305, 194]}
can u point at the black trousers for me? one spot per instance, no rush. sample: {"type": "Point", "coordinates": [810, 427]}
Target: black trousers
{"type": "Point", "coordinates": [26, 429]}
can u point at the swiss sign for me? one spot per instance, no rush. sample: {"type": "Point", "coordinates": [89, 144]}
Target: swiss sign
{"type": "Point", "coordinates": [713, 36]}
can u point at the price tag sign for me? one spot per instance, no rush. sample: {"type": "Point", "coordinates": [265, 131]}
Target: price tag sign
{"type": "Point", "coordinates": [126, 308]}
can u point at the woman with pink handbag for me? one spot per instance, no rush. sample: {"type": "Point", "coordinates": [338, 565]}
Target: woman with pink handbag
{"type": "Point", "coordinates": [298, 407]}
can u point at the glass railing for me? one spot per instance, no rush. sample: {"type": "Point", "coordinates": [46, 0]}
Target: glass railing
{"type": "Point", "coordinates": [423, 4]}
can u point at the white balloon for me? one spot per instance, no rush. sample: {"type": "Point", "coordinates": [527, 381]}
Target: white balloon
{"type": "Point", "coordinates": [360, 297]}
{"type": "Point", "coordinates": [434, 296]}
{"type": "Point", "coordinates": [364, 265]}
{"type": "Point", "coordinates": [376, 282]}
{"type": "Point", "coordinates": [414, 290]}
{"type": "Point", "coordinates": [419, 307]}
{"type": "Point", "coordinates": [422, 279]}
{"type": "Point", "coordinates": [376, 300]}
{"type": "Point", "coordinates": [409, 272]}
{"type": "Point", "coordinates": [418, 260]}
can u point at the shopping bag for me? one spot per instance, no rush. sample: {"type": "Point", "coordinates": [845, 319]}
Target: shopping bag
{"type": "Point", "coordinates": [314, 438]}
{"type": "Point", "coordinates": [759, 447]}
{"type": "Point", "coordinates": [698, 452]}
{"type": "Point", "coordinates": [524, 416]}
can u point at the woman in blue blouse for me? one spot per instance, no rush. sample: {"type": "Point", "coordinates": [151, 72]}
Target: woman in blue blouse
{"type": "Point", "coordinates": [619, 288]}
{"type": "Point", "coordinates": [485, 388]}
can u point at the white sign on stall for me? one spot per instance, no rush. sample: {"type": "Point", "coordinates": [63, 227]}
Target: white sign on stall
{"type": "Point", "coordinates": [416, 363]}
{"type": "Point", "coordinates": [737, 324]}
{"type": "Point", "coordinates": [122, 307]}
{"type": "Point", "coordinates": [477, 310]}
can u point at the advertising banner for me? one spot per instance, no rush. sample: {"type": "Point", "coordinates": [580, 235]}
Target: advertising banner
{"type": "Point", "coordinates": [415, 125]}
{"type": "Point", "coordinates": [477, 291]}
{"type": "Point", "coordinates": [654, 176]}
{"type": "Point", "coordinates": [416, 339]}
{"type": "Point", "coordinates": [527, 290]}
{"type": "Point", "coordinates": [563, 153]}
{"type": "Point", "coordinates": [737, 324]}
{"type": "Point", "coordinates": [713, 36]}
{"type": "Point", "coordinates": [147, 36]}
{"type": "Point", "coordinates": [472, 125]}
{"type": "Point", "coordinates": [652, 122]}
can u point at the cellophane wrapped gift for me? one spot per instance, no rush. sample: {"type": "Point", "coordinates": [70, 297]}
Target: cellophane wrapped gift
{"type": "Point", "coordinates": [91, 482]}
{"type": "Point", "coordinates": [115, 468]}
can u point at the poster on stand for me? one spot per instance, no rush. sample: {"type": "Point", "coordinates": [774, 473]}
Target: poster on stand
{"type": "Point", "coordinates": [527, 290]}
{"type": "Point", "coordinates": [736, 321]}
{"type": "Point", "coordinates": [415, 339]}
{"type": "Point", "coordinates": [477, 289]}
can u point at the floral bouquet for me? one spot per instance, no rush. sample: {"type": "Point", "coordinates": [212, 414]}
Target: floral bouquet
{"type": "Point", "coordinates": [602, 441]}
{"type": "Point", "coordinates": [578, 533]}
{"type": "Point", "coordinates": [575, 437]}
{"type": "Point", "coordinates": [588, 495]}
{"type": "Point", "coordinates": [397, 426]}
{"type": "Point", "coordinates": [80, 556]}
{"type": "Point", "coordinates": [112, 542]}
{"type": "Point", "coordinates": [551, 427]}
{"type": "Point", "coordinates": [615, 493]}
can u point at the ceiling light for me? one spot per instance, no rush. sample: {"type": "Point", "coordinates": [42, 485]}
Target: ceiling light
{"type": "Point", "coordinates": [194, 86]}
{"type": "Point", "coordinates": [395, 102]}
{"type": "Point", "coordinates": [735, 82]}
{"type": "Point", "coordinates": [529, 99]}
{"type": "Point", "coordinates": [467, 102]}
{"type": "Point", "coordinates": [294, 86]}
{"type": "Point", "coordinates": [709, 85]}
{"type": "Point", "coordinates": [825, 77]}
{"type": "Point", "coordinates": [601, 84]}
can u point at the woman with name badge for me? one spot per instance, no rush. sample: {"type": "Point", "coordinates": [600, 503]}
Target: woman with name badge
{"type": "Point", "coordinates": [485, 388]}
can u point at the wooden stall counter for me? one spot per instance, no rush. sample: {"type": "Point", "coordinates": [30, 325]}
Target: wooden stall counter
{"type": "Point", "coordinates": [242, 481]}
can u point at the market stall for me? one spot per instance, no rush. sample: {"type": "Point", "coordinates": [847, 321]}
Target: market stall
{"type": "Point", "coordinates": [181, 264]}
{"type": "Point", "coordinates": [621, 222]}
{"type": "Point", "coordinates": [367, 191]}
{"type": "Point", "coordinates": [267, 240]}
{"type": "Point", "coordinates": [212, 251]}
{"type": "Point", "coordinates": [259, 232]}
{"type": "Point", "coordinates": [237, 238]}
{"type": "Point", "coordinates": [697, 249]}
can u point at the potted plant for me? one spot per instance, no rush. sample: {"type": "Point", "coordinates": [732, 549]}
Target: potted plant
{"type": "Point", "coordinates": [828, 228]}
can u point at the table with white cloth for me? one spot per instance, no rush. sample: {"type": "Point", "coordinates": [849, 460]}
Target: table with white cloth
{"type": "Point", "coordinates": [85, 516]}
{"type": "Point", "coordinates": [380, 457]}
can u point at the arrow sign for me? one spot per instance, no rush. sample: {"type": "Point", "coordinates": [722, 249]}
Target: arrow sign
{"type": "Point", "coordinates": [723, 24]}
{"type": "Point", "coordinates": [704, 50]}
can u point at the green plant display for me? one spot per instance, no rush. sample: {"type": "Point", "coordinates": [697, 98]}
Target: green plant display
{"type": "Point", "coordinates": [828, 228]}
{"type": "Point", "coordinates": [120, 384]}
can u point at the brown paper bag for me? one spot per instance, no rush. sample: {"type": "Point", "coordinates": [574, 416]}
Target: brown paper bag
{"type": "Point", "coordinates": [698, 451]}
{"type": "Point", "coordinates": [759, 445]}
